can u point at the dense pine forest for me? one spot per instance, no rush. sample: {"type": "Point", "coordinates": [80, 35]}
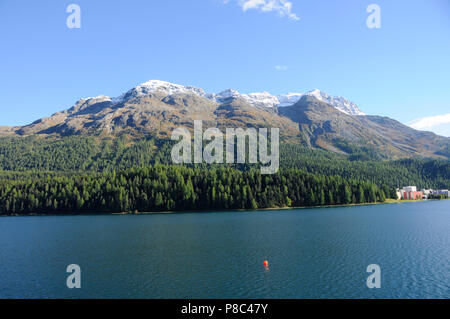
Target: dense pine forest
{"type": "Point", "coordinates": [43, 156]}
{"type": "Point", "coordinates": [89, 174]}
{"type": "Point", "coordinates": [176, 188]}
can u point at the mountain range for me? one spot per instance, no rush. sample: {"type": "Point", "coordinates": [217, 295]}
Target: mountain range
{"type": "Point", "coordinates": [314, 118]}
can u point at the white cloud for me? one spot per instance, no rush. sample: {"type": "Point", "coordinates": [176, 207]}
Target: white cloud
{"type": "Point", "coordinates": [281, 67]}
{"type": "Point", "coordinates": [439, 124]}
{"type": "Point", "coordinates": [282, 7]}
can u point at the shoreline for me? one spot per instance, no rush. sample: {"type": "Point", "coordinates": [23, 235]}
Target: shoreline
{"type": "Point", "coordinates": [388, 201]}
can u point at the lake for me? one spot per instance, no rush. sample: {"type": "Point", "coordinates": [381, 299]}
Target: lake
{"type": "Point", "coordinates": [312, 253]}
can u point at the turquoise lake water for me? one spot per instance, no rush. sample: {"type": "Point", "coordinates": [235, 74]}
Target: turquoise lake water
{"type": "Point", "coordinates": [312, 253]}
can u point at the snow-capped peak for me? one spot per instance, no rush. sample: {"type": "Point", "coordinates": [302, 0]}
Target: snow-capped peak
{"type": "Point", "coordinates": [168, 88]}
{"type": "Point", "coordinates": [263, 99]}
{"type": "Point", "coordinates": [338, 102]}
{"type": "Point", "coordinates": [317, 94]}
{"type": "Point", "coordinates": [226, 94]}
{"type": "Point", "coordinates": [154, 86]}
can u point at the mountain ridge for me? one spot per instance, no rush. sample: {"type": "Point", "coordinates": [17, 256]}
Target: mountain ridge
{"type": "Point", "coordinates": [263, 99]}
{"type": "Point", "coordinates": [315, 119]}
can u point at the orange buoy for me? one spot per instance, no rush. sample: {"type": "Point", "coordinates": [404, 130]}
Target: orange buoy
{"type": "Point", "coordinates": [266, 263]}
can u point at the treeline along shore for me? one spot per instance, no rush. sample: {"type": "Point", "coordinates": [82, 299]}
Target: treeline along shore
{"type": "Point", "coordinates": [85, 175]}
{"type": "Point", "coordinates": [159, 188]}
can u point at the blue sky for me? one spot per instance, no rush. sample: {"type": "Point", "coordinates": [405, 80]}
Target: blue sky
{"type": "Point", "coordinates": [401, 70]}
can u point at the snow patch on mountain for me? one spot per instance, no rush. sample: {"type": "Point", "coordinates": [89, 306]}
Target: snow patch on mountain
{"type": "Point", "coordinates": [263, 99]}
{"type": "Point", "coordinates": [100, 97]}
{"type": "Point", "coordinates": [289, 99]}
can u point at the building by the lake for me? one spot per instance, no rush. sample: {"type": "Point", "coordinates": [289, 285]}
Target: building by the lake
{"type": "Point", "coordinates": [439, 192]}
{"type": "Point", "coordinates": [410, 193]}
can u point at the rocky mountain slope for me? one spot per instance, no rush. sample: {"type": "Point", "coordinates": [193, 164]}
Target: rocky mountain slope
{"type": "Point", "coordinates": [313, 118]}
{"type": "Point", "coordinates": [325, 127]}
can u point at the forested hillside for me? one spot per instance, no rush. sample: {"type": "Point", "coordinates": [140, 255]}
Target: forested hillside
{"type": "Point", "coordinates": [21, 157]}
{"type": "Point", "coordinates": [424, 173]}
